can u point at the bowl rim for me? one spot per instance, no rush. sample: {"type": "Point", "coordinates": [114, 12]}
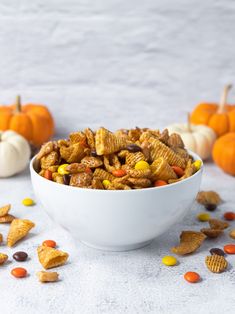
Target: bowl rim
{"type": "Point", "coordinates": [168, 186]}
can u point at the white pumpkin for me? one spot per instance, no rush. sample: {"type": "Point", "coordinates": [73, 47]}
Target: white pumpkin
{"type": "Point", "coordinates": [197, 138]}
{"type": "Point", "coordinates": [14, 153]}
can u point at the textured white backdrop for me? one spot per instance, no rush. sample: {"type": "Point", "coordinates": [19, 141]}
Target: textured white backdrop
{"type": "Point", "coordinates": [116, 62]}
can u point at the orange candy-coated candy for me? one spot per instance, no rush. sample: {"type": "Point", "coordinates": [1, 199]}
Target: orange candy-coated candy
{"type": "Point", "coordinates": [229, 216]}
{"type": "Point", "coordinates": [178, 171]}
{"type": "Point", "coordinates": [49, 243]}
{"type": "Point", "coordinates": [192, 277]}
{"type": "Point", "coordinates": [229, 248]}
{"type": "Point", "coordinates": [119, 172]}
{"type": "Point", "coordinates": [19, 272]}
{"type": "Point", "coordinates": [48, 175]}
{"type": "Point", "coordinates": [88, 170]}
{"type": "Point", "coordinates": [160, 183]}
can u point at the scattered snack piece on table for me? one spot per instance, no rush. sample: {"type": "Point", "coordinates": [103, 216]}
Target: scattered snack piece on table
{"type": "Point", "coordinates": [232, 234]}
{"type": "Point", "coordinates": [49, 243]}
{"type": "Point", "coordinates": [216, 228]}
{"type": "Point", "coordinates": [20, 256]}
{"type": "Point", "coordinates": [190, 241]}
{"type": "Point", "coordinates": [217, 251]}
{"type": "Point", "coordinates": [229, 216]}
{"type": "Point", "coordinates": [140, 158]}
{"type": "Point", "coordinates": [50, 257]}
{"type": "Point", "coordinates": [212, 233]}
{"type": "Point", "coordinates": [169, 260]}
{"type": "Point", "coordinates": [218, 224]}
{"type": "Point", "coordinates": [28, 202]}
{"type": "Point", "coordinates": [6, 219]}
{"type": "Point", "coordinates": [3, 258]}
{"type": "Point", "coordinates": [192, 277]}
{"type": "Point", "coordinates": [203, 217]}
{"type": "Point", "coordinates": [209, 199]}
{"type": "Point", "coordinates": [216, 263]}
{"type": "Point", "coordinates": [46, 276]}
{"type": "Point", "coordinates": [19, 228]}
{"type": "Point", "coordinates": [4, 210]}
{"type": "Point", "coordinates": [229, 248]}
{"type": "Point", "coordinates": [19, 272]}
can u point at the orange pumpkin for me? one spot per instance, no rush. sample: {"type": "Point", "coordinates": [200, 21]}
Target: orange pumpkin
{"type": "Point", "coordinates": [220, 117]}
{"type": "Point", "coordinates": [32, 121]}
{"type": "Point", "coordinates": [224, 153]}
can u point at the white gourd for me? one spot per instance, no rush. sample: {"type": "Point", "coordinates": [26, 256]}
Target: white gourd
{"type": "Point", "coordinates": [197, 138]}
{"type": "Point", "coordinates": [14, 153]}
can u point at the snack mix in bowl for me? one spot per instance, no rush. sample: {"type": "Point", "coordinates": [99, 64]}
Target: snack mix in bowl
{"type": "Point", "coordinates": [127, 159]}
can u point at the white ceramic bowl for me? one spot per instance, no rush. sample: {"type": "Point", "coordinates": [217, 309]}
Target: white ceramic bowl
{"type": "Point", "coordinates": [116, 220]}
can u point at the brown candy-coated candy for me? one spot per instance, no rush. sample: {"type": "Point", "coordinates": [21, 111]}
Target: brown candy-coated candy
{"type": "Point", "coordinates": [20, 256]}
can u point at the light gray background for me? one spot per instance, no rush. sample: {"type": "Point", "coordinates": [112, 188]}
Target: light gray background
{"type": "Point", "coordinates": [116, 63]}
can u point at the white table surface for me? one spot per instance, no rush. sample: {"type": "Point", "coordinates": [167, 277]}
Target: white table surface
{"type": "Point", "coordinates": [103, 282]}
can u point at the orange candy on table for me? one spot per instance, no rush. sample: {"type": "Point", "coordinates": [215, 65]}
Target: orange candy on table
{"type": "Point", "coordinates": [119, 173]}
{"type": "Point", "coordinates": [19, 272]}
{"type": "Point", "coordinates": [229, 216]}
{"type": "Point", "coordinates": [192, 277]}
{"type": "Point", "coordinates": [160, 183]}
{"type": "Point", "coordinates": [49, 243]}
{"type": "Point", "coordinates": [229, 248]}
{"type": "Point", "coordinates": [178, 171]}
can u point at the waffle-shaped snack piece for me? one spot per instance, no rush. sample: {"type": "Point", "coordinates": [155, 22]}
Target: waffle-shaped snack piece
{"type": "Point", "coordinates": [190, 241]}
{"type": "Point", "coordinates": [73, 153]}
{"type": "Point", "coordinates": [162, 170]}
{"type": "Point", "coordinates": [19, 228]}
{"type": "Point", "coordinates": [159, 149]}
{"type": "Point", "coordinates": [4, 210]}
{"type": "Point", "coordinates": [3, 258]}
{"type": "Point", "coordinates": [216, 263]}
{"type": "Point", "coordinates": [50, 257]}
{"type": "Point", "coordinates": [6, 219]}
{"type": "Point", "coordinates": [107, 143]}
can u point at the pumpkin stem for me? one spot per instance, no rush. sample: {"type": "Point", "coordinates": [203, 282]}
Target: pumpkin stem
{"type": "Point", "coordinates": [18, 103]}
{"type": "Point", "coordinates": [189, 123]}
{"type": "Point", "coordinates": [223, 99]}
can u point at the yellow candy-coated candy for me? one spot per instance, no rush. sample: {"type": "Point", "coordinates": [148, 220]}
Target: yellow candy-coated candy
{"type": "Point", "coordinates": [197, 164]}
{"type": "Point", "coordinates": [106, 183]}
{"type": "Point", "coordinates": [142, 165]}
{"type": "Point", "coordinates": [62, 169]}
{"type": "Point", "coordinates": [203, 217]}
{"type": "Point", "coordinates": [169, 260]}
{"type": "Point", "coordinates": [28, 202]}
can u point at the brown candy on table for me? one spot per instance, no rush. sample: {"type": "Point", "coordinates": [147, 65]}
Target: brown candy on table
{"type": "Point", "coordinates": [20, 256]}
{"type": "Point", "coordinates": [211, 207]}
{"type": "Point", "coordinates": [217, 251]}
